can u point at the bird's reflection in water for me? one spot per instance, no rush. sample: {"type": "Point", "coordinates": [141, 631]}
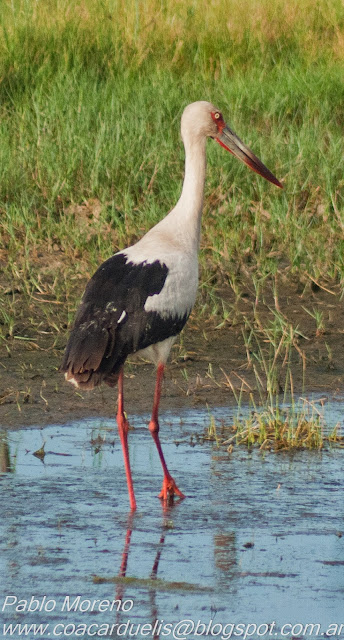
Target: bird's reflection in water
{"type": "Point", "coordinates": [152, 591]}
{"type": "Point", "coordinates": [5, 462]}
{"type": "Point", "coordinates": [167, 524]}
{"type": "Point", "coordinates": [225, 556]}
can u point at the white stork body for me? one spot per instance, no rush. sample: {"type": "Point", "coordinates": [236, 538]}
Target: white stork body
{"type": "Point", "coordinates": [140, 298]}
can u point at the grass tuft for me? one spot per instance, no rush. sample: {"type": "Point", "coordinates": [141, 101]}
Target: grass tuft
{"type": "Point", "coordinates": [283, 428]}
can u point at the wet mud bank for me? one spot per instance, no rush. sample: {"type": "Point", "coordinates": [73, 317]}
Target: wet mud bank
{"type": "Point", "coordinates": [205, 365]}
{"type": "Point", "coordinates": [33, 392]}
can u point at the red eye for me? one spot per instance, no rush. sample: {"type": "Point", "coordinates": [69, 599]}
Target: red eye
{"type": "Point", "coordinates": [218, 119]}
{"type": "Point", "coordinates": [217, 116]}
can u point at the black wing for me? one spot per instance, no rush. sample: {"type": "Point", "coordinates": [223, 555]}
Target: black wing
{"type": "Point", "coordinates": [111, 321]}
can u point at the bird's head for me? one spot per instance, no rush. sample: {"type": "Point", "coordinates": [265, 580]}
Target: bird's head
{"type": "Point", "coordinates": [202, 119]}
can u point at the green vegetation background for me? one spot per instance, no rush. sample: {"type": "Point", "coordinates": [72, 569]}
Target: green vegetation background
{"type": "Point", "coordinates": [91, 94]}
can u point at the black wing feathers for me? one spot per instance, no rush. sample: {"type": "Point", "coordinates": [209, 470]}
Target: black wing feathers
{"type": "Point", "coordinates": [111, 322]}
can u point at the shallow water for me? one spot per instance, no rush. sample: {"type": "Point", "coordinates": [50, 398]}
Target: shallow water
{"type": "Point", "coordinates": [259, 539]}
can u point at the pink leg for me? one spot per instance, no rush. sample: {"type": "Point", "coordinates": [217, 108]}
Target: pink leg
{"type": "Point", "coordinates": [123, 428]}
{"type": "Point", "coordinates": [169, 487]}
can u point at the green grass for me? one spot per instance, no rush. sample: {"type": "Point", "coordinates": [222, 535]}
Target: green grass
{"type": "Point", "coordinates": [91, 95]}
{"type": "Point", "coordinates": [270, 414]}
{"type": "Point", "coordinates": [300, 425]}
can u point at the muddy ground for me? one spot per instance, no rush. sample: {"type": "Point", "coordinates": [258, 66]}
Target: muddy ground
{"type": "Point", "coordinates": [33, 392]}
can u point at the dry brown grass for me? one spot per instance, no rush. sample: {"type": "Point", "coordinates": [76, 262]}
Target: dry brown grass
{"type": "Point", "coordinates": [138, 29]}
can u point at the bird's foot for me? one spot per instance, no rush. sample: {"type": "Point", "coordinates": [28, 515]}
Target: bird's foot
{"type": "Point", "coordinates": [169, 489]}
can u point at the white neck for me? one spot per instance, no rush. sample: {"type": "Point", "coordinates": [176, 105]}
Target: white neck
{"type": "Point", "coordinates": [185, 218]}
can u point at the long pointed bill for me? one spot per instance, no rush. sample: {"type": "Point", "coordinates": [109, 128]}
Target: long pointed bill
{"type": "Point", "coordinates": [230, 141]}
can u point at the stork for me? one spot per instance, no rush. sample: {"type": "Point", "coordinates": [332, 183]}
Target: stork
{"type": "Point", "coordinates": [139, 300]}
